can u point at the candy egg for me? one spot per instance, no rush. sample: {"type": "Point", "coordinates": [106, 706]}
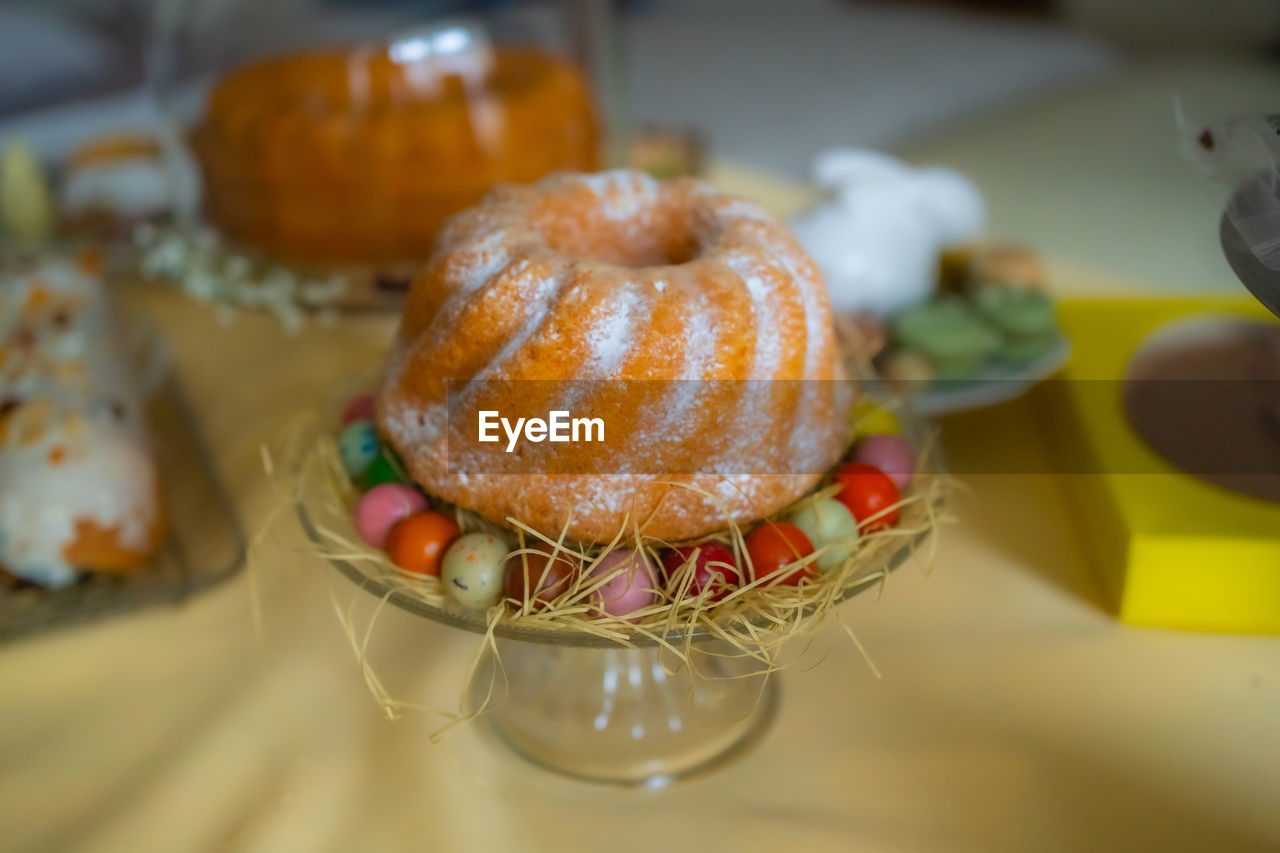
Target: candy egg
{"type": "Point", "coordinates": [381, 470]}
{"type": "Point", "coordinates": [359, 408]}
{"type": "Point", "coordinates": [775, 545]}
{"type": "Point", "coordinates": [870, 418]}
{"type": "Point", "coordinates": [869, 494]}
{"type": "Point", "coordinates": [536, 578]}
{"type": "Point", "coordinates": [358, 446]}
{"type": "Point", "coordinates": [632, 587]}
{"type": "Point", "coordinates": [417, 543]}
{"type": "Point", "coordinates": [714, 566]}
{"type": "Point", "coordinates": [831, 528]}
{"type": "Point", "coordinates": [382, 507]}
{"type": "Point", "coordinates": [472, 570]}
{"type": "Point", "coordinates": [891, 454]}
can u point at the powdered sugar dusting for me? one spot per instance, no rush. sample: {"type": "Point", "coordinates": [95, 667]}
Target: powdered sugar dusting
{"type": "Point", "coordinates": [538, 307]}
{"type": "Point", "coordinates": [609, 337]}
{"type": "Point", "coordinates": [414, 427]}
{"type": "Point", "coordinates": [769, 341]}
{"type": "Point", "coordinates": [815, 322]}
{"type": "Point", "coordinates": [700, 341]}
{"type": "Point", "coordinates": [740, 208]}
{"type": "Point", "coordinates": [624, 193]}
{"type": "Point", "coordinates": [480, 259]}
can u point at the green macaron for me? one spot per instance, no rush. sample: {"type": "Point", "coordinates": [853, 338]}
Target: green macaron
{"type": "Point", "coordinates": [1026, 320]}
{"type": "Point", "coordinates": [949, 334]}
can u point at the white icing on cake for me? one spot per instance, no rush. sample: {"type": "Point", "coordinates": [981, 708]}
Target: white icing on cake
{"type": "Point", "coordinates": [72, 440]}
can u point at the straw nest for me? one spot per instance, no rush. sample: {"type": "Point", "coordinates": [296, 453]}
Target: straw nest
{"type": "Point", "coordinates": [757, 617]}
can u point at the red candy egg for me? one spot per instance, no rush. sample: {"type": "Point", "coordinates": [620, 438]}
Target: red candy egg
{"type": "Point", "coordinates": [713, 566]}
{"type": "Point", "coordinates": [537, 578]}
{"type": "Point", "coordinates": [359, 408]}
{"type": "Point", "coordinates": [867, 491]}
{"type": "Point", "coordinates": [776, 544]}
{"type": "Point", "coordinates": [417, 543]}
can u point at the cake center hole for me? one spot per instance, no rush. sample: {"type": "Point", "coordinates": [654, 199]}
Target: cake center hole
{"type": "Point", "coordinates": [653, 236]}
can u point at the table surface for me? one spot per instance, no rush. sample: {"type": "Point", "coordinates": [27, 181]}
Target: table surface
{"type": "Point", "coordinates": [1013, 712]}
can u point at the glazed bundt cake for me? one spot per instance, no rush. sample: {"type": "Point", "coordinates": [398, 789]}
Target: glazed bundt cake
{"type": "Point", "coordinates": [597, 285]}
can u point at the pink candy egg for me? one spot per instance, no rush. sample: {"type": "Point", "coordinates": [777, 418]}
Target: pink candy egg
{"type": "Point", "coordinates": [633, 586]}
{"type": "Point", "coordinates": [891, 454]}
{"type": "Point", "coordinates": [359, 408]}
{"type": "Point", "coordinates": [381, 507]}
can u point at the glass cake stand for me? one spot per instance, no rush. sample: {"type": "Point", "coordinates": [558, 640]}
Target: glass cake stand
{"type": "Point", "coordinates": [589, 708]}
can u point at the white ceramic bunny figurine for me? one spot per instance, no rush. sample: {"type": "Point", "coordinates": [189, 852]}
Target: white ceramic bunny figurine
{"type": "Point", "coordinates": [878, 239]}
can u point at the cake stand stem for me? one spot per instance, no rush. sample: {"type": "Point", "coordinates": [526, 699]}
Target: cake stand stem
{"type": "Point", "coordinates": [617, 716]}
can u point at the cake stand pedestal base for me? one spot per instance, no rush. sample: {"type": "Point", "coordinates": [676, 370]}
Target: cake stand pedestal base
{"type": "Point", "coordinates": [615, 716]}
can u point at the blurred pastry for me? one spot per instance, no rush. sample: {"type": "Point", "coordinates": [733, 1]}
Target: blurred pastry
{"type": "Point", "coordinates": [967, 267]}
{"type": "Point", "coordinates": [666, 152]}
{"type": "Point", "coordinates": [955, 268]}
{"type": "Point", "coordinates": [112, 183]}
{"type": "Point", "coordinates": [1009, 264]}
{"type": "Point", "coordinates": [79, 489]}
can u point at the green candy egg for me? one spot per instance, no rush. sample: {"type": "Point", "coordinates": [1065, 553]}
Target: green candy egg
{"type": "Point", "coordinates": [358, 446]}
{"type": "Point", "coordinates": [831, 528]}
{"type": "Point", "coordinates": [473, 569]}
{"type": "Point", "coordinates": [380, 471]}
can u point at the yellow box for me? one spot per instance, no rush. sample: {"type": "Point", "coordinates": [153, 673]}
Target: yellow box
{"type": "Point", "coordinates": [1171, 549]}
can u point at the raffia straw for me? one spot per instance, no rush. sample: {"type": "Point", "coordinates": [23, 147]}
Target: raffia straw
{"type": "Point", "coordinates": [754, 620]}
{"type": "Point", "coordinates": [290, 441]}
{"type": "Point", "coordinates": [464, 716]}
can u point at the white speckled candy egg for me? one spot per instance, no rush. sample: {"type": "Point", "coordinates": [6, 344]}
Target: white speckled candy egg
{"type": "Point", "coordinates": [472, 571]}
{"type": "Point", "coordinates": [831, 528]}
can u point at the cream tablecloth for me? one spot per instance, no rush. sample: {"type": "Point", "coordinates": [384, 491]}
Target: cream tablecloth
{"type": "Point", "coordinates": [1013, 712]}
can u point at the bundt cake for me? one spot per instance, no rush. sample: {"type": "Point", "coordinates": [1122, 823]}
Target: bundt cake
{"type": "Point", "coordinates": [591, 287]}
{"type": "Point", "coordinates": [357, 155]}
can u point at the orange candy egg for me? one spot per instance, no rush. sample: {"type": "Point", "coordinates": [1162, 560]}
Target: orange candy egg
{"type": "Point", "coordinates": [418, 541]}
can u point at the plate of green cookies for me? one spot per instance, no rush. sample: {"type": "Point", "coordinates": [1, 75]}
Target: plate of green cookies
{"type": "Point", "coordinates": [971, 346]}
